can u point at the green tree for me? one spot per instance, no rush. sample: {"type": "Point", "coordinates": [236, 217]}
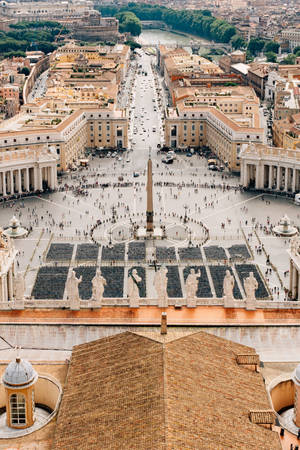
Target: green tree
{"type": "Point", "coordinates": [133, 45]}
{"type": "Point", "coordinates": [290, 59]}
{"type": "Point", "coordinates": [25, 71]}
{"type": "Point", "coordinates": [296, 49]}
{"type": "Point", "coordinates": [271, 46]}
{"type": "Point", "coordinates": [256, 45]}
{"type": "Point", "coordinates": [271, 57]}
{"type": "Point", "coordinates": [128, 22]}
{"type": "Point", "coordinates": [237, 42]}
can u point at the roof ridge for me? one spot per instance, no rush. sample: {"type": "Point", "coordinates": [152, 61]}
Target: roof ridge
{"type": "Point", "coordinates": [165, 396]}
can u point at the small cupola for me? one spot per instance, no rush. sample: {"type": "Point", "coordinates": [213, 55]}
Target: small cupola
{"type": "Point", "coordinates": [19, 379]}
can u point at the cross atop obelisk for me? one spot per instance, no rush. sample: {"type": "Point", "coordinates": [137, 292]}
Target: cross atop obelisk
{"type": "Point", "coordinates": [149, 211]}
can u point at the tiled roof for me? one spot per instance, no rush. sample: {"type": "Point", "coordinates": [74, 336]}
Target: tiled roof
{"type": "Point", "coordinates": [133, 392]}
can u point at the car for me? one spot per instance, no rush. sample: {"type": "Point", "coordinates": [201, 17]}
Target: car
{"type": "Point", "coordinates": [136, 174]}
{"type": "Point", "coordinates": [120, 158]}
{"type": "Point", "coordinates": [189, 154]}
{"type": "Point", "coordinates": [127, 160]}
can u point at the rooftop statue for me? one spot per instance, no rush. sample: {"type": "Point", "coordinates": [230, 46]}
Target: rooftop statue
{"type": "Point", "coordinates": [133, 289]}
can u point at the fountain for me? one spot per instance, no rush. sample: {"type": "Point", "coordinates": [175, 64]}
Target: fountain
{"type": "Point", "coordinates": [285, 229]}
{"type": "Point", "coordinates": [15, 230]}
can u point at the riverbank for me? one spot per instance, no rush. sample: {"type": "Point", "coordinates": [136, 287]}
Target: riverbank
{"type": "Point", "coordinates": [157, 36]}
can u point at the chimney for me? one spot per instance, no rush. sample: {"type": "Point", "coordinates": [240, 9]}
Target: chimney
{"type": "Point", "coordinates": [163, 324]}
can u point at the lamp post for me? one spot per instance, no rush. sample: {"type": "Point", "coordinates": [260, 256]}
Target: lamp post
{"type": "Point", "coordinates": [110, 241]}
{"type": "Point", "coordinates": [185, 213]}
{"type": "Point", "coordinates": [190, 238]}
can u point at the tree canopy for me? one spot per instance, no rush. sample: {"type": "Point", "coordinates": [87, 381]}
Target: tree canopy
{"type": "Point", "coordinates": [271, 46]}
{"type": "Point", "coordinates": [271, 57]}
{"type": "Point", "coordinates": [238, 42]}
{"type": "Point", "coordinates": [128, 22]}
{"type": "Point", "coordinates": [256, 45]}
{"type": "Point", "coordinates": [30, 36]}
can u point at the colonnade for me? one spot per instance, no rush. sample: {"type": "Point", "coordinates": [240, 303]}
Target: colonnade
{"type": "Point", "coordinates": [294, 281]}
{"type": "Point", "coordinates": [270, 176]}
{"type": "Point", "coordinates": [25, 179]}
{"type": "Point", "coordinates": [6, 286]}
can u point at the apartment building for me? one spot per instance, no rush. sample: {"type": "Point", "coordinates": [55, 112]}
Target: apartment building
{"type": "Point", "coordinates": [292, 35]}
{"type": "Point", "coordinates": [69, 132]}
{"type": "Point", "coordinates": [195, 127]}
{"type": "Point", "coordinates": [258, 75]}
{"type": "Point", "coordinates": [287, 99]}
{"type": "Point", "coordinates": [47, 10]}
{"type": "Point", "coordinates": [286, 132]}
{"type": "Point", "coordinates": [178, 63]}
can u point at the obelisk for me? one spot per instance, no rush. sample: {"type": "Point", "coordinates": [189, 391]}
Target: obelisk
{"type": "Point", "coordinates": [149, 211]}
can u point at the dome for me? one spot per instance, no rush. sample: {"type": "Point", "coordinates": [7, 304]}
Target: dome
{"type": "Point", "coordinates": [19, 373]}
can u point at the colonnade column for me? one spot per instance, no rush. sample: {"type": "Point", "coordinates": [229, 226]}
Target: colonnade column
{"type": "Point", "coordinates": [38, 184]}
{"type": "Point", "coordinates": [11, 182]}
{"type": "Point", "coordinates": [294, 180]}
{"type": "Point", "coordinates": [40, 179]}
{"type": "Point", "coordinates": [278, 178]}
{"type": "Point", "coordinates": [286, 178]}
{"type": "Point", "coordinates": [3, 290]}
{"type": "Point", "coordinates": [52, 177]}
{"type": "Point", "coordinates": [257, 176]}
{"type": "Point", "coordinates": [19, 181]}
{"type": "Point", "coordinates": [295, 283]}
{"type": "Point", "coordinates": [245, 174]}
{"type": "Point", "coordinates": [10, 292]}
{"type": "Point", "coordinates": [270, 177]}
{"type": "Point", "coordinates": [27, 179]}
{"type": "Point", "coordinates": [3, 183]}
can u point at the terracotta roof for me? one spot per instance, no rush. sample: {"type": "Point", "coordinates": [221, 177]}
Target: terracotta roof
{"type": "Point", "coordinates": [132, 392]}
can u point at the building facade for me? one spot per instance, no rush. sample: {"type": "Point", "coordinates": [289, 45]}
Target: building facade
{"type": "Point", "coordinates": [208, 126]}
{"type": "Point", "coordinates": [28, 170]}
{"type": "Point", "coordinates": [271, 168]}
{"type": "Point", "coordinates": [292, 35]}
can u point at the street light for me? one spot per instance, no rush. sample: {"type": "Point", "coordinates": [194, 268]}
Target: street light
{"type": "Point", "coordinates": [190, 238]}
{"type": "Point", "coordinates": [110, 241]}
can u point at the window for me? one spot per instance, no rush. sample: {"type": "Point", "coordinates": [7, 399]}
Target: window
{"type": "Point", "coordinates": [119, 132]}
{"type": "Point", "coordinates": [17, 409]}
{"type": "Point", "coordinates": [174, 130]}
{"type": "Point", "coordinates": [107, 127]}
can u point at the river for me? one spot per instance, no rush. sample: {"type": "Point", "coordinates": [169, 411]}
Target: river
{"type": "Point", "coordinates": [153, 37]}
